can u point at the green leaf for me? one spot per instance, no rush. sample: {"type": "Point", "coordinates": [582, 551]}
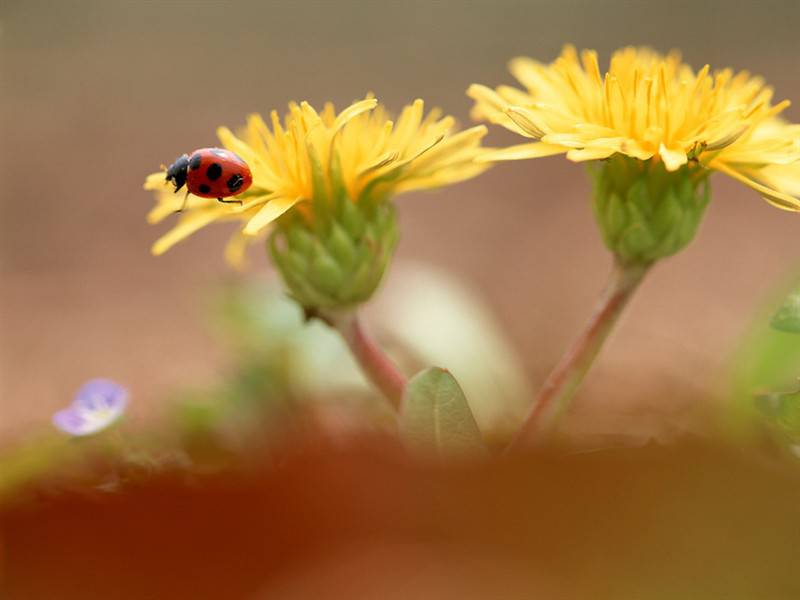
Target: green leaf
{"type": "Point", "coordinates": [783, 409]}
{"type": "Point", "coordinates": [788, 316]}
{"type": "Point", "coordinates": [767, 366]}
{"type": "Point", "coordinates": [436, 417]}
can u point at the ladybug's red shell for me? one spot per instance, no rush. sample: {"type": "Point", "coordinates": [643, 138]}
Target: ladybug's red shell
{"type": "Point", "coordinates": [217, 173]}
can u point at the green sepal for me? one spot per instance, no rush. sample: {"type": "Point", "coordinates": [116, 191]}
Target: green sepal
{"type": "Point", "coordinates": [342, 247]}
{"type": "Point", "coordinates": [325, 271]}
{"type": "Point", "coordinates": [300, 240]}
{"type": "Point", "coordinates": [645, 212]}
{"type": "Point", "coordinates": [319, 187]}
{"type": "Point", "coordinates": [338, 189]}
{"type": "Point", "coordinates": [340, 263]}
{"type": "Point", "coordinates": [352, 220]}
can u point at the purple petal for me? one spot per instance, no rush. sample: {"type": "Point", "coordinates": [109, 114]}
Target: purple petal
{"type": "Point", "coordinates": [69, 421]}
{"type": "Point", "coordinates": [97, 404]}
{"type": "Point", "coordinates": [101, 394]}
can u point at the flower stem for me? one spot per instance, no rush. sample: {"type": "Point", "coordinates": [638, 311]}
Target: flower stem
{"type": "Point", "coordinates": [564, 380]}
{"type": "Point", "coordinates": [376, 365]}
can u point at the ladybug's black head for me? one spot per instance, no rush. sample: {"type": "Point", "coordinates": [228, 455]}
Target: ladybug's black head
{"type": "Point", "coordinates": [177, 171]}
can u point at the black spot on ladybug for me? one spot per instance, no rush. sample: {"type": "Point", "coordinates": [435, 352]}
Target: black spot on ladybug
{"type": "Point", "coordinates": [234, 182]}
{"type": "Point", "coordinates": [204, 189]}
{"type": "Point", "coordinates": [213, 171]}
{"type": "Point", "coordinates": [220, 153]}
{"type": "Point", "coordinates": [194, 164]}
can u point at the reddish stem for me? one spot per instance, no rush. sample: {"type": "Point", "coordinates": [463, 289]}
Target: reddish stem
{"type": "Point", "coordinates": [564, 380]}
{"type": "Point", "coordinates": [376, 365]}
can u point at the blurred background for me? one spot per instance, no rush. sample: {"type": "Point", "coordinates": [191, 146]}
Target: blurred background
{"type": "Point", "coordinates": [95, 95]}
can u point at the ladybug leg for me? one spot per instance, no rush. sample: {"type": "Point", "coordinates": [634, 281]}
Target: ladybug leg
{"type": "Point", "coordinates": [183, 206]}
{"type": "Point", "coordinates": [239, 202]}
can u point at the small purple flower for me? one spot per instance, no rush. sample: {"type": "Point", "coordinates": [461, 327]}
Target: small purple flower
{"type": "Point", "coordinates": [97, 404]}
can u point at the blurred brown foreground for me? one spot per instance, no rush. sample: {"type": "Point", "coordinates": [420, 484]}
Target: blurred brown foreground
{"type": "Point", "coordinates": [361, 520]}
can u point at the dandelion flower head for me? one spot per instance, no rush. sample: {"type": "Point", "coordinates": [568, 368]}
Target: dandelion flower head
{"type": "Point", "coordinates": [649, 107]}
{"type": "Point", "coordinates": [360, 153]}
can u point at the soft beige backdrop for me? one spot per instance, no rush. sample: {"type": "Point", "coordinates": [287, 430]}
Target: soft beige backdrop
{"type": "Point", "coordinates": [97, 94]}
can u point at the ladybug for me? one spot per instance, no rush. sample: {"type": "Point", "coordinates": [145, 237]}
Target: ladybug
{"type": "Point", "coordinates": [210, 173]}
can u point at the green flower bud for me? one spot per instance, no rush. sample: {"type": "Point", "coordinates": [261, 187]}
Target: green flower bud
{"type": "Point", "coordinates": [645, 212]}
{"type": "Point", "coordinates": [335, 256]}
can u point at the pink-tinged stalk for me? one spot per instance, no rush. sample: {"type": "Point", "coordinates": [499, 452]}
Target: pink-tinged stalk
{"type": "Point", "coordinates": [562, 384]}
{"type": "Point", "coordinates": [376, 365]}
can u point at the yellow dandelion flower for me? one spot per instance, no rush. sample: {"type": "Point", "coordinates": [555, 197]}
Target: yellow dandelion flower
{"type": "Point", "coordinates": [649, 107]}
{"type": "Point", "coordinates": [310, 156]}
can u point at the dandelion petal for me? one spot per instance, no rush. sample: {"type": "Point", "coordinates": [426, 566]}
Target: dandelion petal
{"type": "Point", "coordinates": [268, 213]}
{"type": "Point", "coordinates": [521, 151]}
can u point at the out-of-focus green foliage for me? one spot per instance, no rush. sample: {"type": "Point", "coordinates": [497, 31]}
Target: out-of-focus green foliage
{"type": "Point", "coordinates": [787, 318]}
{"type": "Point", "coordinates": [767, 375]}
{"type": "Point", "coordinates": [436, 418]}
{"type": "Point", "coordinates": [28, 460]}
{"type": "Point", "coordinates": [783, 411]}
